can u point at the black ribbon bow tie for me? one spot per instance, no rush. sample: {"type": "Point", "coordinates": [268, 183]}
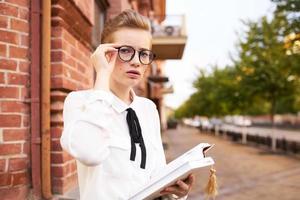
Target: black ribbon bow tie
{"type": "Point", "coordinates": [136, 136]}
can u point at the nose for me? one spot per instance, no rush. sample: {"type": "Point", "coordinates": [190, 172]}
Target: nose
{"type": "Point", "coordinates": [135, 60]}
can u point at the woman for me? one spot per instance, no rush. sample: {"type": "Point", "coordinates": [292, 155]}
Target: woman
{"type": "Point", "coordinates": [114, 134]}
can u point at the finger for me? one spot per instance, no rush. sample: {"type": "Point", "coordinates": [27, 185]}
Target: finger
{"type": "Point", "coordinates": [174, 190]}
{"type": "Point", "coordinates": [191, 180]}
{"type": "Point", "coordinates": [104, 50]}
{"type": "Point", "coordinates": [108, 45]}
{"type": "Point", "coordinates": [112, 58]}
{"type": "Point", "coordinates": [183, 185]}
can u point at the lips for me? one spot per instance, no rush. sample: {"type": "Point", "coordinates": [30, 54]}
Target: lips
{"type": "Point", "coordinates": [133, 73]}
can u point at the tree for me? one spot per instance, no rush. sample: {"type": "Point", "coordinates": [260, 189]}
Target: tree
{"type": "Point", "coordinates": [266, 70]}
{"type": "Point", "coordinates": [291, 9]}
{"type": "Point", "coordinates": [264, 77]}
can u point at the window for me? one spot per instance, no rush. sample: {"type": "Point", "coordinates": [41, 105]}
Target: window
{"type": "Point", "coordinates": [100, 16]}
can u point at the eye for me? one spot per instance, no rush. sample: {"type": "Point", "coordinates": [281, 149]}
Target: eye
{"type": "Point", "coordinates": [125, 50]}
{"type": "Point", "coordinates": [145, 54]}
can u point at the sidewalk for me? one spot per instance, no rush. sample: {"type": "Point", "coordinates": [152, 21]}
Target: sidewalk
{"type": "Point", "coordinates": [243, 172]}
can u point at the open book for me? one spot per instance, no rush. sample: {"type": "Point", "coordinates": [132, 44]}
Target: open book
{"type": "Point", "coordinates": [180, 168]}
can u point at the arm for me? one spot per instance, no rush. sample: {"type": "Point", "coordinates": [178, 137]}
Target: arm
{"type": "Point", "coordinates": [86, 119]}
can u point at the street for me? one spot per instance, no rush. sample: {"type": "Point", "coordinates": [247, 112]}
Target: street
{"type": "Point", "coordinates": [243, 172]}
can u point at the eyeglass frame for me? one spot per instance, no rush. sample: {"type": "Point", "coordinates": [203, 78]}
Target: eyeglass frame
{"type": "Point", "coordinates": [139, 51]}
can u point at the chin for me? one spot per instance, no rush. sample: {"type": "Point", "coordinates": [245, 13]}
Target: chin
{"type": "Point", "coordinates": [133, 82]}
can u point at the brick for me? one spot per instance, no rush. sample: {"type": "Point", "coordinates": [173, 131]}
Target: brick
{"type": "Point", "coordinates": [56, 132]}
{"type": "Point", "coordinates": [69, 38]}
{"type": "Point", "coordinates": [25, 93]}
{"type": "Point", "coordinates": [59, 171]}
{"type": "Point", "coordinates": [2, 77]}
{"type": "Point", "coordinates": [9, 92]}
{"type": "Point", "coordinates": [81, 68]}
{"type": "Point", "coordinates": [85, 6]}
{"type": "Point", "coordinates": [18, 79]}
{"type": "Point", "coordinates": [8, 64]}
{"type": "Point", "coordinates": [70, 61]}
{"type": "Point", "coordinates": [57, 158]}
{"type": "Point", "coordinates": [24, 14]}
{"type": "Point", "coordinates": [24, 66]}
{"type": "Point", "coordinates": [24, 3]}
{"type": "Point", "coordinates": [7, 149]}
{"type": "Point", "coordinates": [56, 32]}
{"type": "Point", "coordinates": [8, 10]}
{"type": "Point", "coordinates": [20, 178]}
{"type": "Point", "coordinates": [14, 106]}
{"type": "Point", "coordinates": [73, 167]}
{"type": "Point", "coordinates": [2, 165]}
{"type": "Point", "coordinates": [75, 53]}
{"type": "Point", "coordinates": [9, 37]}
{"type": "Point", "coordinates": [24, 40]}
{"type": "Point", "coordinates": [3, 22]}
{"type": "Point", "coordinates": [61, 157]}
{"type": "Point", "coordinates": [83, 49]}
{"type": "Point", "coordinates": [15, 134]}
{"type": "Point", "coordinates": [25, 120]}
{"type": "Point", "coordinates": [61, 185]}
{"type": "Point", "coordinates": [2, 51]}
{"type": "Point", "coordinates": [5, 179]}
{"type": "Point", "coordinates": [18, 52]}
{"type": "Point", "coordinates": [19, 25]}
{"type": "Point", "coordinates": [10, 120]}
{"type": "Point", "coordinates": [57, 56]}
{"type": "Point", "coordinates": [55, 145]}
{"type": "Point", "coordinates": [73, 74]}
{"type": "Point", "coordinates": [16, 164]}
{"type": "Point", "coordinates": [26, 148]}
{"type": "Point", "coordinates": [16, 193]}
{"type": "Point", "coordinates": [56, 43]}
{"type": "Point", "coordinates": [56, 69]}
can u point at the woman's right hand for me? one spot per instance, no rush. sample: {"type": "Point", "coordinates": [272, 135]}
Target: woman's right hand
{"type": "Point", "coordinates": [104, 57]}
{"type": "Point", "coordinates": [103, 60]}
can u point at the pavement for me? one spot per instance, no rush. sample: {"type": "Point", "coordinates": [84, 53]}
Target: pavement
{"type": "Point", "coordinates": [244, 172]}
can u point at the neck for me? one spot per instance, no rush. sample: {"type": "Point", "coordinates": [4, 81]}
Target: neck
{"type": "Point", "coordinates": [121, 92]}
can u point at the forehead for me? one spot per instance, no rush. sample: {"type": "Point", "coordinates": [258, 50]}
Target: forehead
{"type": "Point", "coordinates": [133, 37]}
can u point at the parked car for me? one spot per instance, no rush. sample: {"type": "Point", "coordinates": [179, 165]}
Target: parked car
{"type": "Point", "coordinates": [172, 123]}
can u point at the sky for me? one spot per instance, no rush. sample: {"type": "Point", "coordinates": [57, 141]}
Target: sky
{"type": "Point", "coordinates": [212, 27]}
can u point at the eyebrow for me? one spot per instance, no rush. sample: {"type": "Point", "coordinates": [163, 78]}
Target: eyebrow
{"type": "Point", "coordinates": [141, 49]}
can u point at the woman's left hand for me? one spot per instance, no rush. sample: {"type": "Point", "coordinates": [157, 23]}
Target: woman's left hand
{"type": "Point", "coordinates": [181, 188]}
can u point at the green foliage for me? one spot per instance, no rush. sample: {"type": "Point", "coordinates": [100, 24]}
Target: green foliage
{"type": "Point", "coordinates": [291, 9]}
{"type": "Point", "coordinates": [264, 78]}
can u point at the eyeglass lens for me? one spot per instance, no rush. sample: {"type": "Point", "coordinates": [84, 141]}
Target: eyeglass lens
{"type": "Point", "coordinates": [126, 53]}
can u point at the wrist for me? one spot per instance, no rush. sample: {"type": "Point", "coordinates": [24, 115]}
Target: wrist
{"type": "Point", "coordinates": [102, 80]}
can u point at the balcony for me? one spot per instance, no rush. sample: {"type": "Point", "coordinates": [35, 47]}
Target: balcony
{"type": "Point", "coordinates": [169, 37]}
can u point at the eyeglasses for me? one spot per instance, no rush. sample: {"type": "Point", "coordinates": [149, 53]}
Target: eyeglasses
{"type": "Point", "coordinates": [126, 54]}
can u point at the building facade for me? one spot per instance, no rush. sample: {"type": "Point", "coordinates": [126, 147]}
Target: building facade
{"type": "Point", "coordinates": [44, 54]}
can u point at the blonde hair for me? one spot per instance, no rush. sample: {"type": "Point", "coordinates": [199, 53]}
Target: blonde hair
{"type": "Point", "coordinates": [126, 19]}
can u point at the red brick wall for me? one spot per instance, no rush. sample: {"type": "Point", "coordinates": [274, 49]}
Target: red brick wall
{"type": "Point", "coordinates": [86, 7]}
{"type": "Point", "coordinates": [70, 71]}
{"type": "Point", "coordinates": [117, 6]}
{"type": "Point", "coordinates": [14, 90]}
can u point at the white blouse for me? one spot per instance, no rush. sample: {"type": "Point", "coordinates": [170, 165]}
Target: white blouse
{"type": "Point", "coordinates": [97, 135]}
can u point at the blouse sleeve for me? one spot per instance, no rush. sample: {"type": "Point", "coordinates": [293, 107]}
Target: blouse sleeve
{"type": "Point", "coordinates": [86, 118]}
